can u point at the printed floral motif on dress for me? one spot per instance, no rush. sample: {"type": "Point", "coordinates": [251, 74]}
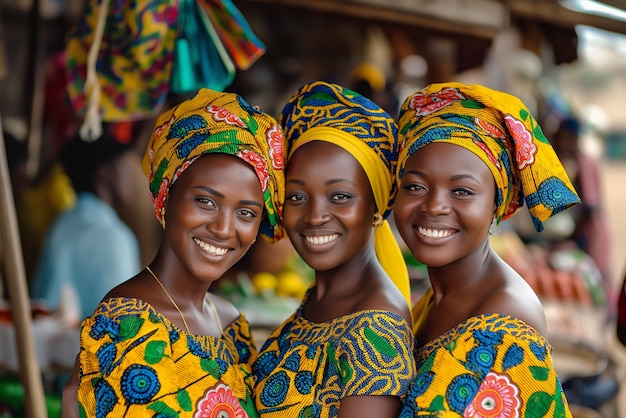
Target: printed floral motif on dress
{"type": "Point", "coordinates": [220, 402]}
{"type": "Point", "coordinates": [497, 397]}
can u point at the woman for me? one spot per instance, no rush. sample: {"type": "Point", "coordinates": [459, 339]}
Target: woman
{"type": "Point", "coordinates": [470, 157]}
{"type": "Point", "coordinates": [159, 343]}
{"type": "Point", "coordinates": [347, 350]}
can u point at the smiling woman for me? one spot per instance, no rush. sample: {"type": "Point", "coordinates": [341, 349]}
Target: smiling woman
{"type": "Point", "coordinates": [471, 157]}
{"type": "Point", "coordinates": [347, 349]}
{"type": "Point", "coordinates": [160, 341]}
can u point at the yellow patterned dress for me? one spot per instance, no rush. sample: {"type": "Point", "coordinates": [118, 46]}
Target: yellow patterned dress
{"type": "Point", "coordinates": [136, 363]}
{"type": "Point", "coordinates": [492, 366]}
{"type": "Point", "coordinates": [305, 368]}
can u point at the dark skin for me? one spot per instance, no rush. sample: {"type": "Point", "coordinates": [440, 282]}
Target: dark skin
{"type": "Point", "coordinates": [443, 212]}
{"type": "Point", "coordinates": [213, 215]}
{"type": "Point", "coordinates": [328, 216]}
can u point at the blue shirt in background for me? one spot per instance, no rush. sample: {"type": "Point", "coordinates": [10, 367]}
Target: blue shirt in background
{"type": "Point", "coordinates": [90, 248]}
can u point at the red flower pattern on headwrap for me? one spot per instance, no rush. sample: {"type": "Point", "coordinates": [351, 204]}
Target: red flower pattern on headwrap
{"type": "Point", "coordinates": [490, 128]}
{"type": "Point", "coordinates": [275, 139]}
{"type": "Point", "coordinates": [260, 167]}
{"type": "Point", "coordinates": [425, 104]}
{"type": "Point", "coordinates": [224, 115]}
{"type": "Point", "coordinates": [525, 150]}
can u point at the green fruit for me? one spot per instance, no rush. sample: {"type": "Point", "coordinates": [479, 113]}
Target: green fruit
{"type": "Point", "coordinates": [11, 392]}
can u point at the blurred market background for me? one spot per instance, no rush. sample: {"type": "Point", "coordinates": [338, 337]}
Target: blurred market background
{"type": "Point", "coordinates": [565, 59]}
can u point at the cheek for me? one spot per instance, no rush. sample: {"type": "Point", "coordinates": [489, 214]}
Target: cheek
{"type": "Point", "coordinates": [401, 209]}
{"type": "Point", "coordinates": [290, 217]}
{"type": "Point", "coordinates": [248, 232]}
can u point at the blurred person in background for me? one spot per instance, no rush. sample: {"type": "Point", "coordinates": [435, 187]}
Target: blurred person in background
{"type": "Point", "coordinates": [38, 201]}
{"type": "Point", "coordinates": [89, 249]}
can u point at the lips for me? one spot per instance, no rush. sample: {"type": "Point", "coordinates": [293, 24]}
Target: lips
{"type": "Point", "coordinates": [211, 249]}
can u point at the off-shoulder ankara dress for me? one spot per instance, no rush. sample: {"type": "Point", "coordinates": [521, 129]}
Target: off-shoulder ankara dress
{"type": "Point", "coordinates": [136, 363]}
{"type": "Point", "coordinates": [487, 366]}
{"type": "Point", "coordinates": [305, 368]}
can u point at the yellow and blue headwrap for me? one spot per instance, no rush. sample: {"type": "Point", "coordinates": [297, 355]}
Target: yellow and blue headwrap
{"type": "Point", "coordinates": [501, 131]}
{"type": "Point", "coordinates": [215, 122]}
{"type": "Point", "coordinates": [321, 111]}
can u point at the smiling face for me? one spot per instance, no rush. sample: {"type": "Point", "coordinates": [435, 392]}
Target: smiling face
{"type": "Point", "coordinates": [445, 203]}
{"type": "Point", "coordinates": [329, 205]}
{"type": "Point", "coordinates": [213, 214]}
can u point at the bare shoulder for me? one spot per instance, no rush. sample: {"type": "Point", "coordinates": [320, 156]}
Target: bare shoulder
{"type": "Point", "coordinates": [131, 288]}
{"type": "Point", "coordinates": [227, 312]}
{"type": "Point", "coordinates": [386, 298]}
{"type": "Point", "coordinates": [517, 299]}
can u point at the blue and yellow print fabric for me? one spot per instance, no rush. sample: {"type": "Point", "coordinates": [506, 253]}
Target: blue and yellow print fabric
{"type": "Point", "coordinates": [136, 363]}
{"type": "Point", "coordinates": [305, 369]}
{"type": "Point", "coordinates": [488, 366]}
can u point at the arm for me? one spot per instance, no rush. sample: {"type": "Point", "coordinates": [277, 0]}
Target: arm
{"type": "Point", "coordinates": [69, 403]}
{"type": "Point", "coordinates": [370, 406]}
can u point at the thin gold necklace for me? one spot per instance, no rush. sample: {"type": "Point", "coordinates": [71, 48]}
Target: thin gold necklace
{"type": "Point", "coordinates": [170, 298]}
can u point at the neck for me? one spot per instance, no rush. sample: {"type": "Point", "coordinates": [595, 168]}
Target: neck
{"type": "Point", "coordinates": [347, 278]}
{"type": "Point", "coordinates": [466, 275]}
{"type": "Point", "coordinates": [186, 289]}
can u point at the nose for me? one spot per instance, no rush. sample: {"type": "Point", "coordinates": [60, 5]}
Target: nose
{"type": "Point", "coordinates": [316, 213]}
{"type": "Point", "coordinates": [222, 225]}
{"type": "Point", "coordinates": [436, 203]}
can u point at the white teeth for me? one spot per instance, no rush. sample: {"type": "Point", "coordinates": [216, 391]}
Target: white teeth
{"type": "Point", "coordinates": [211, 249]}
{"type": "Point", "coordinates": [434, 233]}
{"type": "Point", "coordinates": [322, 240]}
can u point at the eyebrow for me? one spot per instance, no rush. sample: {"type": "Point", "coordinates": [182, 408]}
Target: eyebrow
{"type": "Point", "coordinates": [221, 195]}
{"type": "Point", "coordinates": [327, 182]}
{"type": "Point", "coordinates": [455, 177]}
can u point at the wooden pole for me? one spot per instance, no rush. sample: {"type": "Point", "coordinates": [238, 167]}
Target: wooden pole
{"type": "Point", "coordinates": [13, 260]}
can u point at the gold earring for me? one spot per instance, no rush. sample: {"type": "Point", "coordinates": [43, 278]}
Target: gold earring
{"type": "Point", "coordinates": [378, 220]}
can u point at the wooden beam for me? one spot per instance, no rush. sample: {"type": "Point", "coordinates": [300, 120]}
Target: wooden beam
{"type": "Point", "coordinates": [380, 11]}
{"type": "Point", "coordinates": [12, 260]}
{"type": "Point", "coordinates": [552, 12]}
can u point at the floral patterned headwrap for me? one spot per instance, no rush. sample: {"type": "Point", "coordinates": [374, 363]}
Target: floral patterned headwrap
{"type": "Point", "coordinates": [501, 131]}
{"type": "Point", "coordinates": [321, 111]}
{"type": "Point", "coordinates": [215, 122]}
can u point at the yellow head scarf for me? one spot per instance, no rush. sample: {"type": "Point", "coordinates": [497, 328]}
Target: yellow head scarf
{"type": "Point", "coordinates": [321, 111]}
{"type": "Point", "coordinates": [214, 122]}
{"type": "Point", "coordinates": [500, 130]}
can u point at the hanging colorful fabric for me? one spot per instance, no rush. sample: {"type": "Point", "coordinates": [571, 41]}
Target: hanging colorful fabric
{"type": "Point", "coordinates": [200, 59]}
{"type": "Point", "coordinates": [119, 58]}
{"type": "Point", "coordinates": [242, 44]}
